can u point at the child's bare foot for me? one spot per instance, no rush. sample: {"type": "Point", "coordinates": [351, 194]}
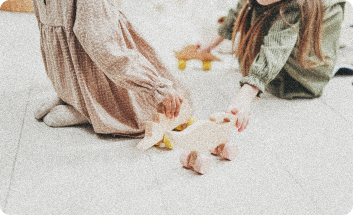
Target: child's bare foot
{"type": "Point", "coordinates": [64, 115]}
{"type": "Point", "coordinates": [47, 107]}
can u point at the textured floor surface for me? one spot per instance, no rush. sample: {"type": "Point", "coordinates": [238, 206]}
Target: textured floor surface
{"type": "Point", "coordinates": [295, 157]}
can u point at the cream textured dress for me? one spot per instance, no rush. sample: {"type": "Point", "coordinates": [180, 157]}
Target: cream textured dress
{"type": "Point", "coordinates": [101, 66]}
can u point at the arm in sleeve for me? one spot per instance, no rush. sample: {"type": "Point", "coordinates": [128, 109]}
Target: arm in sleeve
{"type": "Point", "coordinates": [226, 29]}
{"type": "Point", "coordinates": [35, 9]}
{"type": "Point", "coordinates": [277, 46]}
{"type": "Point", "coordinates": [104, 34]}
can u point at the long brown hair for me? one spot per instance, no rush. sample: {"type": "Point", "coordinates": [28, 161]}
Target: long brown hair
{"type": "Point", "coordinates": [251, 36]}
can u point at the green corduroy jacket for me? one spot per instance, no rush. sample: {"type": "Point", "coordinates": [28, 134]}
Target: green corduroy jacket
{"type": "Point", "coordinates": [276, 67]}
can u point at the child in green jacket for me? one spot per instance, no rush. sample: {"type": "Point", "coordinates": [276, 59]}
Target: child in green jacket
{"type": "Point", "coordinates": [288, 47]}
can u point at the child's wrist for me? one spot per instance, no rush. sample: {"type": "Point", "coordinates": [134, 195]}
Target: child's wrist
{"type": "Point", "coordinates": [216, 42]}
{"type": "Point", "coordinates": [248, 92]}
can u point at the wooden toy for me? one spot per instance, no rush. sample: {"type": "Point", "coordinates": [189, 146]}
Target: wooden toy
{"type": "Point", "coordinates": [190, 52]}
{"type": "Point", "coordinates": [181, 127]}
{"type": "Point", "coordinates": [17, 6]}
{"type": "Point", "coordinates": [205, 135]}
{"type": "Point", "coordinates": [21, 6]}
{"type": "Point", "coordinates": [156, 129]}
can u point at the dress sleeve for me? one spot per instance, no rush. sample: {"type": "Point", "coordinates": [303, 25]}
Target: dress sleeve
{"type": "Point", "coordinates": [103, 32]}
{"type": "Point", "coordinates": [35, 9]}
{"type": "Point", "coordinates": [277, 46]}
{"type": "Point", "coordinates": [226, 29]}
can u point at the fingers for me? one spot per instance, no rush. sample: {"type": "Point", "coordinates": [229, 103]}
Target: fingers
{"type": "Point", "coordinates": [243, 122]}
{"type": "Point", "coordinates": [198, 47]}
{"type": "Point", "coordinates": [181, 100]}
{"type": "Point", "coordinates": [168, 106]}
{"type": "Point", "coordinates": [239, 122]}
{"type": "Point", "coordinates": [242, 119]}
{"type": "Point", "coordinates": [246, 123]}
{"type": "Point", "coordinates": [173, 107]}
{"type": "Point", "coordinates": [177, 109]}
{"type": "Point", "coordinates": [172, 103]}
{"type": "Point", "coordinates": [234, 111]}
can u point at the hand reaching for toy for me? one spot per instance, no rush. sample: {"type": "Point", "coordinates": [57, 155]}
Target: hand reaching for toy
{"type": "Point", "coordinates": [172, 103]}
{"type": "Point", "coordinates": [203, 48]}
{"type": "Point", "coordinates": [207, 47]}
{"type": "Point", "coordinates": [241, 106]}
{"type": "Point", "coordinates": [242, 111]}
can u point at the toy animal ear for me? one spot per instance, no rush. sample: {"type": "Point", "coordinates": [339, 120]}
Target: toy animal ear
{"type": "Point", "coordinates": [222, 117]}
{"type": "Point", "coordinates": [221, 20]}
{"type": "Point", "coordinates": [226, 119]}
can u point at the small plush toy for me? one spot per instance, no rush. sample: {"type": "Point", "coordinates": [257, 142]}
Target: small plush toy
{"type": "Point", "coordinates": [190, 52]}
{"type": "Point", "coordinates": [205, 135]}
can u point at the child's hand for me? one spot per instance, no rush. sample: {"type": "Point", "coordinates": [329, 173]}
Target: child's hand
{"type": "Point", "coordinates": [240, 105]}
{"type": "Point", "coordinates": [203, 48]}
{"type": "Point", "coordinates": [242, 110]}
{"type": "Point", "coordinates": [172, 103]}
{"type": "Point", "coordinates": [207, 47]}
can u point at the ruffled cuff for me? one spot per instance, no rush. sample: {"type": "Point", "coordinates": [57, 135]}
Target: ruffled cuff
{"type": "Point", "coordinates": [226, 29]}
{"type": "Point", "coordinates": [161, 88]}
{"type": "Point", "coordinates": [254, 81]}
{"type": "Point", "coordinates": [225, 33]}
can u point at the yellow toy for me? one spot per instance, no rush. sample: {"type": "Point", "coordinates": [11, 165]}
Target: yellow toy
{"type": "Point", "coordinates": [181, 127]}
{"type": "Point", "coordinates": [156, 129]}
{"type": "Point", "coordinates": [190, 52]}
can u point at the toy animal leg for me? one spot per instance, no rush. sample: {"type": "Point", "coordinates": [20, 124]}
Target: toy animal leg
{"type": "Point", "coordinates": [198, 163]}
{"type": "Point", "coordinates": [181, 64]}
{"type": "Point", "coordinates": [206, 65]}
{"type": "Point", "coordinates": [218, 150]}
{"type": "Point", "coordinates": [184, 159]}
{"type": "Point", "coordinates": [202, 164]}
{"type": "Point", "coordinates": [167, 142]}
{"type": "Point", "coordinates": [230, 151]}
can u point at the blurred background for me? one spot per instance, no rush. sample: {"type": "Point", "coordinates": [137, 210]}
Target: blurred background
{"type": "Point", "coordinates": [172, 24]}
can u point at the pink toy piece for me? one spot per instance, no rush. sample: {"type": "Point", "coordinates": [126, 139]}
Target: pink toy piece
{"type": "Point", "coordinates": [230, 151]}
{"type": "Point", "coordinates": [215, 151]}
{"type": "Point", "coordinates": [184, 159]}
{"type": "Point", "coordinates": [197, 162]}
{"type": "Point", "coordinates": [202, 164]}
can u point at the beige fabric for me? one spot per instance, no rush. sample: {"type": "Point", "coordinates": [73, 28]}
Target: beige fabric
{"type": "Point", "coordinates": [100, 65]}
